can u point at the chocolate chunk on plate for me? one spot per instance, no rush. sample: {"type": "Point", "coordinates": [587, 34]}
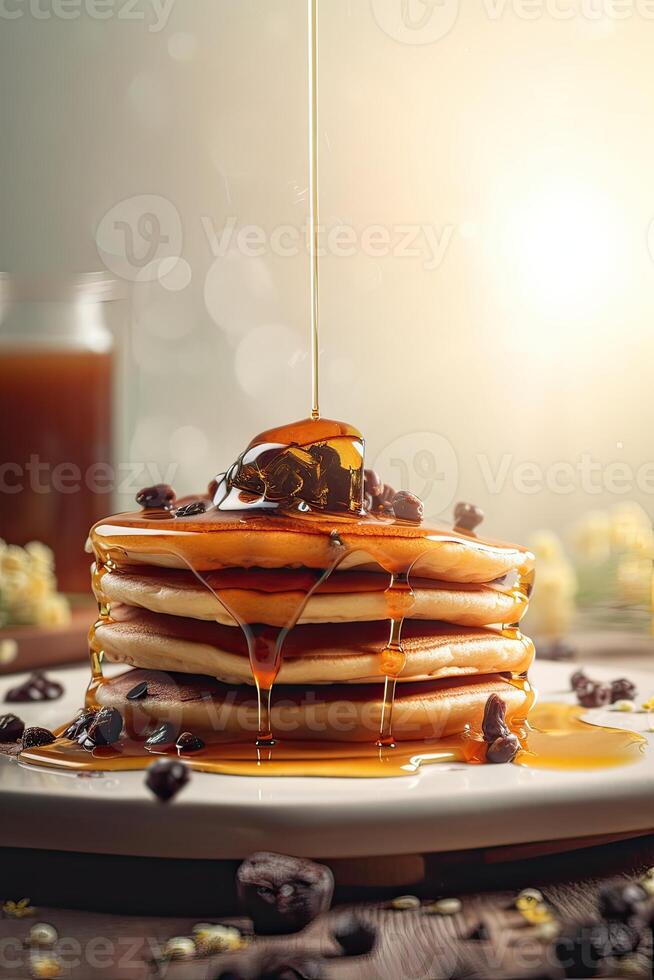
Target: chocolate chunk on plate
{"type": "Point", "coordinates": [80, 723]}
{"type": "Point", "coordinates": [37, 687]}
{"type": "Point", "coordinates": [594, 695]}
{"type": "Point", "coordinates": [188, 742]}
{"type": "Point", "coordinates": [11, 728]}
{"type": "Point", "coordinates": [503, 749]}
{"type": "Point", "coordinates": [104, 729]}
{"type": "Point", "coordinates": [494, 724]}
{"type": "Point", "coordinates": [162, 737]}
{"type": "Point", "coordinates": [166, 777]}
{"type": "Point", "coordinates": [33, 737]}
{"type": "Point", "coordinates": [623, 690]}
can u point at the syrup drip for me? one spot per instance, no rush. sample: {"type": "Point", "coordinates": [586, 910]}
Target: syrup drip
{"type": "Point", "coordinates": [312, 61]}
{"type": "Point", "coordinates": [100, 566]}
{"type": "Point", "coordinates": [265, 643]}
{"type": "Point", "coordinates": [399, 599]}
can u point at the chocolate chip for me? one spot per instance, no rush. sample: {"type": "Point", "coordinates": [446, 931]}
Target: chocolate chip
{"type": "Point", "coordinates": [189, 510]}
{"type": "Point", "coordinates": [408, 507]}
{"type": "Point", "coordinates": [503, 749]}
{"type": "Point", "coordinates": [621, 901]}
{"type": "Point", "coordinates": [494, 725]}
{"type": "Point", "coordinates": [381, 501]}
{"type": "Point", "coordinates": [137, 692]}
{"type": "Point", "coordinates": [188, 742]}
{"type": "Point", "coordinates": [467, 517]}
{"type": "Point", "coordinates": [37, 687]}
{"type": "Point", "coordinates": [80, 724]}
{"type": "Point", "coordinates": [37, 736]}
{"type": "Point", "coordinates": [579, 679]}
{"type": "Point", "coordinates": [372, 483]}
{"type": "Point", "coordinates": [384, 500]}
{"type": "Point", "coordinates": [11, 728]}
{"type": "Point", "coordinates": [581, 950]}
{"type": "Point", "coordinates": [615, 938]}
{"type": "Point", "coordinates": [166, 777]}
{"type": "Point", "coordinates": [105, 728]}
{"type": "Point", "coordinates": [594, 695]}
{"type": "Point", "coordinates": [353, 935]}
{"type": "Point", "coordinates": [164, 735]}
{"type": "Point", "coordinates": [623, 690]}
{"type": "Point", "coordinates": [623, 938]}
{"type": "Point", "coordinates": [212, 489]}
{"type": "Point", "coordinates": [283, 894]}
{"type": "Point", "coordinates": [159, 495]}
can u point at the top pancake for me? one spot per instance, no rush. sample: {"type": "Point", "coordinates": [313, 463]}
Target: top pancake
{"type": "Point", "coordinates": [248, 539]}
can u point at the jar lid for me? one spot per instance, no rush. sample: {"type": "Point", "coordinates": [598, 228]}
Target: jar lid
{"type": "Point", "coordinates": [62, 312]}
{"type": "Point", "coordinates": [92, 287]}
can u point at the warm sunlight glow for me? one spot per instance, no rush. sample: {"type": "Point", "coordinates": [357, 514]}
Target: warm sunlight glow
{"type": "Point", "coordinates": [562, 243]}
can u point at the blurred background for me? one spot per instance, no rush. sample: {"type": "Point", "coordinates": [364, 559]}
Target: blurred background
{"type": "Point", "coordinates": [487, 267]}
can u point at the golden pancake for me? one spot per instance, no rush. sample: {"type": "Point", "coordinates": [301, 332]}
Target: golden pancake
{"type": "Point", "coordinates": [325, 654]}
{"type": "Point", "coordinates": [274, 597]}
{"type": "Point", "coordinates": [204, 706]}
{"type": "Point", "coordinates": [226, 539]}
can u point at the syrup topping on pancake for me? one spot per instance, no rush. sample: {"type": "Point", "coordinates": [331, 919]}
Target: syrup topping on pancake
{"type": "Point", "coordinates": [314, 464]}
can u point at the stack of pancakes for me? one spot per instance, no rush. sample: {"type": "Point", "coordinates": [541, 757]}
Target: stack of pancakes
{"type": "Point", "coordinates": [186, 597]}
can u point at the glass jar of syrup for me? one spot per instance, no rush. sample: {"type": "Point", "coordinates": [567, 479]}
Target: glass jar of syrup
{"type": "Point", "coordinates": [56, 382]}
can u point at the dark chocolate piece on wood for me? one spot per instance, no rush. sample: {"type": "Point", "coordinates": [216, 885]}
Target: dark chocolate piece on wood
{"type": "Point", "coordinates": [283, 894]}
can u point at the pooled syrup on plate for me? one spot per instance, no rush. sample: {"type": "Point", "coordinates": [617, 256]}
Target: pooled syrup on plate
{"type": "Point", "coordinates": [556, 738]}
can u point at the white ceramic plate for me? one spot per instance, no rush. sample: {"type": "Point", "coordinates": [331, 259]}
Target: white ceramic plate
{"type": "Point", "coordinates": [437, 809]}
